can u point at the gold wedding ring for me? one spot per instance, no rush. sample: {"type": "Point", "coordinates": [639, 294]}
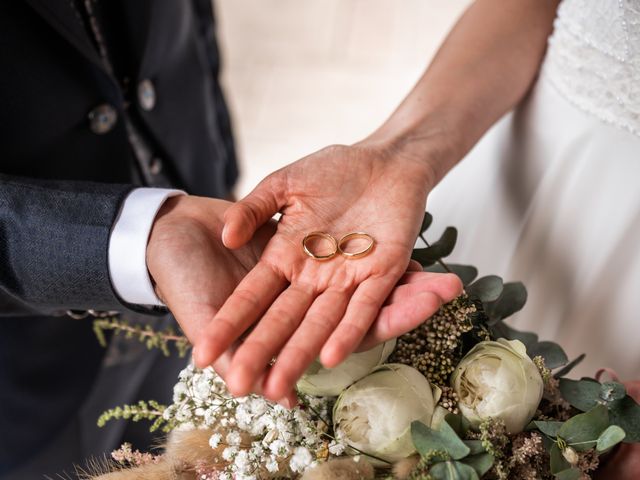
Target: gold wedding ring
{"type": "Point", "coordinates": [360, 253]}
{"type": "Point", "coordinates": [326, 236]}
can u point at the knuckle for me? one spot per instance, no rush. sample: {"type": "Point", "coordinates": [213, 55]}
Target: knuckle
{"type": "Point", "coordinates": [285, 318]}
{"type": "Point", "coordinates": [351, 333]}
{"type": "Point", "coordinates": [247, 296]}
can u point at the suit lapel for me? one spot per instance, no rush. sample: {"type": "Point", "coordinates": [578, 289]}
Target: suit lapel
{"type": "Point", "coordinates": [61, 15]}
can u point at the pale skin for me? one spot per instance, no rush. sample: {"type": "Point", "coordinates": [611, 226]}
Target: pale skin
{"type": "Point", "coordinates": [194, 274]}
{"type": "Point", "coordinates": [303, 308]}
{"type": "Point", "coordinates": [380, 185]}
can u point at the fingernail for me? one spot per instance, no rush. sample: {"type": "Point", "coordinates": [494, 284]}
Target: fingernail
{"type": "Point", "coordinates": [225, 232]}
{"type": "Point", "coordinates": [285, 402]}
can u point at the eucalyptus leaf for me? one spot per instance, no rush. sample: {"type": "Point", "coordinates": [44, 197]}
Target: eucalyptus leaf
{"type": "Point", "coordinates": [609, 438]}
{"type": "Point", "coordinates": [466, 273]}
{"type": "Point", "coordinates": [511, 300]}
{"type": "Point", "coordinates": [586, 393]}
{"type": "Point", "coordinates": [452, 471]}
{"type": "Point", "coordinates": [426, 222]}
{"type": "Point", "coordinates": [423, 257]}
{"type": "Point", "coordinates": [437, 250]}
{"type": "Point", "coordinates": [552, 353]}
{"type": "Point", "coordinates": [426, 440]}
{"type": "Point", "coordinates": [612, 391]}
{"type": "Point", "coordinates": [582, 394]}
{"type": "Point", "coordinates": [626, 414]}
{"type": "Point", "coordinates": [570, 366]}
{"type": "Point", "coordinates": [458, 423]}
{"type": "Point", "coordinates": [481, 462]}
{"type": "Point", "coordinates": [557, 461]}
{"type": "Point", "coordinates": [548, 428]}
{"type": "Point", "coordinates": [502, 330]}
{"type": "Point", "coordinates": [475, 446]}
{"type": "Point", "coordinates": [486, 289]}
{"type": "Point", "coordinates": [583, 430]}
{"type": "Point", "coordinates": [569, 474]}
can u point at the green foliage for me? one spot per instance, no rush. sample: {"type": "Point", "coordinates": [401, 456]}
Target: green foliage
{"type": "Point", "coordinates": [486, 289]}
{"type": "Point", "coordinates": [511, 300]}
{"type": "Point", "coordinates": [143, 333]}
{"type": "Point", "coordinates": [150, 410]}
{"type": "Point", "coordinates": [426, 439]}
{"type": "Point", "coordinates": [453, 470]}
{"type": "Point", "coordinates": [548, 428]}
{"type": "Point", "coordinates": [581, 433]}
{"type": "Point", "coordinates": [552, 353]}
{"type": "Point", "coordinates": [583, 430]}
{"type": "Point", "coordinates": [449, 456]}
{"type": "Point", "coordinates": [438, 250]}
{"type": "Point", "coordinates": [569, 474]}
{"type": "Point", "coordinates": [609, 438]}
{"type": "Point", "coordinates": [570, 366]}
{"type": "Point", "coordinates": [481, 462]}
{"type": "Point", "coordinates": [458, 423]}
{"type": "Point", "coordinates": [623, 410]}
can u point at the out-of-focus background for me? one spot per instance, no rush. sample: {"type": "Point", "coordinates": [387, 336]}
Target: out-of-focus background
{"type": "Point", "coordinates": [303, 74]}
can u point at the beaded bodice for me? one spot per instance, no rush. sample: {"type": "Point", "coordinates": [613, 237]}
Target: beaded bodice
{"type": "Point", "coordinates": [594, 59]}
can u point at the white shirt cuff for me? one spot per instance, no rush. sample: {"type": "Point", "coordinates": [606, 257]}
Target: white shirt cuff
{"type": "Point", "coordinates": [128, 245]}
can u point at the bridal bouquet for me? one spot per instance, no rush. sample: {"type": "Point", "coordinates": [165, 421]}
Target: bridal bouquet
{"type": "Point", "coordinates": [462, 397]}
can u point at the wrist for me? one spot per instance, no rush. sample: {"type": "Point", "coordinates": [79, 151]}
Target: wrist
{"type": "Point", "coordinates": [426, 143]}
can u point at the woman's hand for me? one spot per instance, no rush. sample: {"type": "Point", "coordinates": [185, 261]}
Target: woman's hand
{"type": "Point", "coordinates": [307, 307]}
{"type": "Point", "coordinates": [195, 273]}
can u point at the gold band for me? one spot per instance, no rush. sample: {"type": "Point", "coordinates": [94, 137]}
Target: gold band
{"type": "Point", "coordinates": [326, 236]}
{"type": "Point", "coordinates": [360, 253]}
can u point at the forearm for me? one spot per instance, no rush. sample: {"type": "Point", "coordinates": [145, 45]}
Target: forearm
{"type": "Point", "coordinates": [53, 245]}
{"type": "Point", "coordinates": [483, 69]}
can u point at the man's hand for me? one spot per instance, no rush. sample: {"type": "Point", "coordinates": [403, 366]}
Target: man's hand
{"type": "Point", "coordinates": [306, 307]}
{"type": "Point", "coordinates": [193, 271]}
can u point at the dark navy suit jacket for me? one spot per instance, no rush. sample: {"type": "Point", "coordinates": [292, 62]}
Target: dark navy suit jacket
{"type": "Point", "coordinates": [62, 184]}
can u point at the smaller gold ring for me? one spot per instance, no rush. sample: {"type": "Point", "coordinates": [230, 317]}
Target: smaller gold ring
{"type": "Point", "coordinates": [326, 236]}
{"type": "Point", "coordinates": [358, 254]}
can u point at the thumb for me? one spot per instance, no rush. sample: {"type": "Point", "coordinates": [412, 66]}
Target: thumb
{"type": "Point", "coordinates": [243, 218]}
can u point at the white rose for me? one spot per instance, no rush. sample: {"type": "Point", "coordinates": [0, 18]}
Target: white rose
{"type": "Point", "coordinates": [330, 382]}
{"type": "Point", "coordinates": [498, 380]}
{"type": "Point", "coordinates": [374, 414]}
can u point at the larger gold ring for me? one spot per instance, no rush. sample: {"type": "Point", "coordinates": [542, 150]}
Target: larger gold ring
{"type": "Point", "coordinates": [360, 253]}
{"type": "Point", "coordinates": [326, 236]}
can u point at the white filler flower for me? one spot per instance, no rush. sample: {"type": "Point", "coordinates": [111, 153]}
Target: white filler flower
{"type": "Point", "coordinates": [330, 382]}
{"type": "Point", "coordinates": [374, 414]}
{"type": "Point", "coordinates": [498, 380]}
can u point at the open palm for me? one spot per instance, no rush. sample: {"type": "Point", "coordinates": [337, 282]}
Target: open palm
{"type": "Point", "coordinates": [308, 307]}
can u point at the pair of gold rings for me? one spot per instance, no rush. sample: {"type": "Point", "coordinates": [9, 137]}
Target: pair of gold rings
{"type": "Point", "coordinates": [338, 245]}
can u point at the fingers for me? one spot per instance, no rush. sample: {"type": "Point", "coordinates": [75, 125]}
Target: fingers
{"type": "Point", "coordinates": [445, 285]}
{"type": "Point", "coordinates": [411, 304]}
{"type": "Point", "coordinates": [305, 344]}
{"type": "Point", "coordinates": [361, 312]}
{"type": "Point", "coordinates": [272, 332]}
{"type": "Point", "coordinates": [246, 304]}
{"type": "Point", "coordinates": [222, 365]}
{"type": "Point", "coordinates": [414, 266]}
{"type": "Point", "coordinates": [243, 218]}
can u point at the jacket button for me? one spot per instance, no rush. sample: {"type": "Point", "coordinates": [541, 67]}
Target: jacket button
{"type": "Point", "coordinates": [146, 95]}
{"type": "Point", "coordinates": [102, 119]}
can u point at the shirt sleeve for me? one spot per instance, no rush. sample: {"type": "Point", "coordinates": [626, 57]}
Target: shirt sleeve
{"type": "Point", "coordinates": [128, 245]}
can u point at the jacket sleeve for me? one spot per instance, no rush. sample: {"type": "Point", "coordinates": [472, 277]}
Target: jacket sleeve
{"type": "Point", "coordinates": [54, 238]}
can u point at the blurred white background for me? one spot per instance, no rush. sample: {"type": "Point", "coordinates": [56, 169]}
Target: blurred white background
{"type": "Point", "coordinates": [302, 74]}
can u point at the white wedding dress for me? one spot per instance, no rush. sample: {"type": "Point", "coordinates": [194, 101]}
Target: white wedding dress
{"type": "Point", "coordinates": [551, 195]}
